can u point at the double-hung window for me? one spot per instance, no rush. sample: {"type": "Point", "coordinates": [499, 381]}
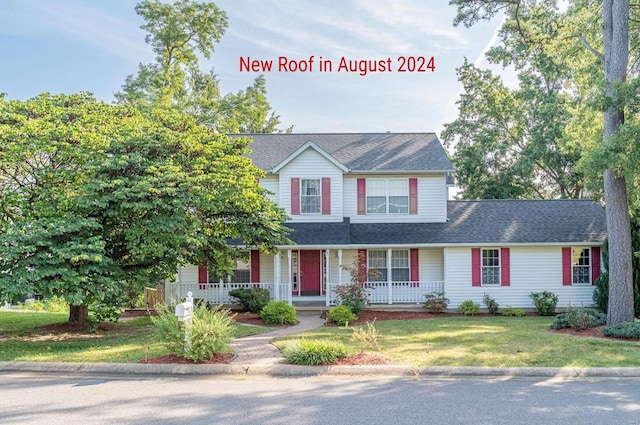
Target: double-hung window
{"type": "Point", "coordinates": [387, 196]}
{"type": "Point", "coordinates": [377, 262]}
{"type": "Point", "coordinates": [310, 196]}
{"type": "Point", "coordinates": [581, 265]}
{"type": "Point", "coordinates": [491, 266]}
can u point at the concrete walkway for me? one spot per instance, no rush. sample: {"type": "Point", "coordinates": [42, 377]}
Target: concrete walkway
{"type": "Point", "coordinates": [258, 350]}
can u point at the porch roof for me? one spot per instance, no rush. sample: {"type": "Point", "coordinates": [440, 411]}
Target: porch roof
{"type": "Point", "coordinates": [472, 222]}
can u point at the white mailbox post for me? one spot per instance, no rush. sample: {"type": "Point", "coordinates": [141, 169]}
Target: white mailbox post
{"type": "Point", "coordinates": [184, 313]}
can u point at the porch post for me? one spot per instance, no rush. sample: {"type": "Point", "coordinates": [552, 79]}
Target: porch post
{"type": "Point", "coordinates": [276, 277]}
{"type": "Point", "coordinates": [389, 281]}
{"type": "Point", "coordinates": [327, 262]}
{"type": "Point", "coordinates": [221, 290]}
{"type": "Point", "coordinates": [339, 267]}
{"type": "Point", "coordinates": [290, 286]}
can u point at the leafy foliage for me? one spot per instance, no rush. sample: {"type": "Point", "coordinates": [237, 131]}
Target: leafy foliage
{"type": "Point", "coordinates": [278, 313]}
{"type": "Point", "coordinates": [513, 311]}
{"type": "Point", "coordinates": [491, 304]}
{"type": "Point", "coordinates": [314, 352]}
{"type": "Point", "coordinates": [355, 295]}
{"type": "Point", "coordinates": [251, 299]}
{"type": "Point", "coordinates": [366, 338]}
{"type": "Point", "coordinates": [51, 305]}
{"type": "Point", "coordinates": [580, 318]}
{"type": "Point", "coordinates": [341, 315]}
{"type": "Point", "coordinates": [630, 330]}
{"type": "Point", "coordinates": [545, 302]}
{"type": "Point", "coordinates": [436, 302]}
{"type": "Point", "coordinates": [469, 308]}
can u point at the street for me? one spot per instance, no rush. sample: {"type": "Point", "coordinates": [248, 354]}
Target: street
{"type": "Point", "coordinates": [29, 398]}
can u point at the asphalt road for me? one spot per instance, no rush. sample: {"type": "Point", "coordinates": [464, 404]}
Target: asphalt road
{"type": "Point", "coordinates": [30, 398]}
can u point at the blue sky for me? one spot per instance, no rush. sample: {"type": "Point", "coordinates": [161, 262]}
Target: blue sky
{"type": "Point", "coordinates": [67, 46]}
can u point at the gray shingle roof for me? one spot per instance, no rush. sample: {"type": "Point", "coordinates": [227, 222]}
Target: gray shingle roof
{"type": "Point", "coordinates": [357, 151]}
{"type": "Point", "coordinates": [473, 222]}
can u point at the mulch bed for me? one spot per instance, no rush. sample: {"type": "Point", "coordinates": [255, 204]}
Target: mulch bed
{"type": "Point", "coordinates": [216, 359]}
{"type": "Point", "coordinates": [364, 359]}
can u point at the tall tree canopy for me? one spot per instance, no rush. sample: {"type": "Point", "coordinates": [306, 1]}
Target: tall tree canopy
{"type": "Point", "coordinates": [609, 91]}
{"type": "Point", "coordinates": [96, 196]}
{"type": "Point", "coordinates": [178, 34]}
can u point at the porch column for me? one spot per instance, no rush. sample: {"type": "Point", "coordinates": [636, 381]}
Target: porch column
{"type": "Point", "coordinates": [339, 267]}
{"type": "Point", "coordinates": [327, 261]}
{"type": "Point", "coordinates": [389, 281]}
{"type": "Point", "coordinates": [276, 277]}
{"type": "Point", "coordinates": [290, 286]}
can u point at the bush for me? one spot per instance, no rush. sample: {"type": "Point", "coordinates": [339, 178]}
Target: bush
{"type": "Point", "coordinates": [469, 308]}
{"type": "Point", "coordinates": [491, 304]}
{"type": "Point", "coordinates": [623, 330]}
{"type": "Point", "coordinates": [580, 318]}
{"type": "Point", "coordinates": [314, 352]}
{"type": "Point", "coordinates": [251, 299]}
{"type": "Point", "coordinates": [545, 302]}
{"type": "Point", "coordinates": [436, 302]}
{"type": "Point", "coordinates": [51, 305]}
{"type": "Point", "coordinates": [278, 313]}
{"type": "Point", "coordinates": [366, 338]}
{"type": "Point", "coordinates": [513, 311]}
{"type": "Point", "coordinates": [354, 296]}
{"type": "Point", "coordinates": [210, 332]}
{"type": "Point", "coordinates": [341, 315]}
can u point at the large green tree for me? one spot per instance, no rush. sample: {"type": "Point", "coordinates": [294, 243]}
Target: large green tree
{"type": "Point", "coordinates": [613, 96]}
{"type": "Point", "coordinates": [97, 197]}
{"type": "Point", "coordinates": [181, 33]}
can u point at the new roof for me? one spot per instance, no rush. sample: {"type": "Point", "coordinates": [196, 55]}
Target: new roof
{"type": "Point", "coordinates": [473, 222]}
{"type": "Point", "coordinates": [378, 152]}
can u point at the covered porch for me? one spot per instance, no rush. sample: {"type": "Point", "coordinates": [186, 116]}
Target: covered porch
{"type": "Point", "coordinates": [301, 275]}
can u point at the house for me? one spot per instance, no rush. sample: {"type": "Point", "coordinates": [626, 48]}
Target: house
{"type": "Point", "coordinates": [384, 197]}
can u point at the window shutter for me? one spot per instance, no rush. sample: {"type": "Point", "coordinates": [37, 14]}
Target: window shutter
{"type": "Point", "coordinates": [566, 266]}
{"type": "Point", "coordinates": [203, 279]}
{"type": "Point", "coordinates": [476, 270]}
{"type": "Point", "coordinates": [362, 264]}
{"type": "Point", "coordinates": [326, 196]}
{"type": "Point", "coordinates": [295, 196]}
{"type": "Point", "coordinates": [505, 267]}
{"type": "Point", "coordinates": [595, 264]}
{"type": "Point", "coordinates": [414, 259]}
{"type": "Point", "coordinates": [413, 196]}
{"type": "Point", "coordinates": [362, 196]}
{"type": "Point", "coordinates": [255, 266]}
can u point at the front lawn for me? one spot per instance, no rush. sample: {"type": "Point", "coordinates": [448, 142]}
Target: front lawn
{"type": "Point", "coordinates": [23, 338]}
{"type": "Point", "coordinates": [486, 341]}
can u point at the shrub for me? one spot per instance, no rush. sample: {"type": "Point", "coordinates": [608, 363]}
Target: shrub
{"type": "Point", "coordinates": [580, 318]}
{"type": "Point", "coordinates": [314, 352]}
{"type": "Point", "coordinates": [366, 338]}
{"type": "Point", "coordinates": [52, 305]}
{"type": "Point", "coordinates": [354, 296]}
{"type": "Point", "coordinates": [341, 315]}
{"type": "Point", "coordinates": [436, 302]}
{"type": "Point", "coordinates": [491, 304]}
{"type": "Point", "coordinates": [209, 333]}
{"type": "Point", "coordinates": [251, 299]}
{"type": "Point", "coordinates": [545, 302]}
{"type": "Point", "coordinates": [469, 308]}
{"type": "Point", "coordinates": [513, 311]}
{"type": "Point", "coordinates": [278, 313]}
{"type": "Point", "coordinates": [623, 330]}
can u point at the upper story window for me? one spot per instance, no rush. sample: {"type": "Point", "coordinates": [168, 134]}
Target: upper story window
{"type": "Point", "coordinates": [581, 265]}
{"type": "Point", "coordinates": [310, 196]}
{"type": "Point", "coordinates": [491, 266]}
{"type": "Point", "coordinates": [387, 196]}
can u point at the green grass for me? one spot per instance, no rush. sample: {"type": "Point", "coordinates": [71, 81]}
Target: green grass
{"type": "Point", "coordinates": [486, 341]}
{"type": "Point", "coordinates": [135, 339]}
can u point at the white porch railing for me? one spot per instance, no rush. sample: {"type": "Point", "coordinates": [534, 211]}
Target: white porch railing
{"type": "Point", "coordinates": [397, 293]}
{"type": "Point", "coordinates": [214, 293]}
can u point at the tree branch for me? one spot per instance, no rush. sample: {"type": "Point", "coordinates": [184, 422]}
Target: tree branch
{"type": "Point", "coordinates": [586, 44]}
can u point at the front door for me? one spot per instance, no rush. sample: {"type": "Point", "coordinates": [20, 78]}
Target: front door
{"type": "Point", "coordinates": [309, 272]}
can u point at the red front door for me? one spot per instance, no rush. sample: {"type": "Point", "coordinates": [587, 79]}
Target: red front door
{"type": "Point", "coordinates": [309, 272]}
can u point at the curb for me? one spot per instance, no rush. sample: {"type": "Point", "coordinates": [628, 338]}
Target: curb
{"type": "Point", "coordinates": [298, 371]}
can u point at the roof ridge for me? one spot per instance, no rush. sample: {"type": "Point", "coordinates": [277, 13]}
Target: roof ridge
{"type": "Point", "coordinates": [522, 200]}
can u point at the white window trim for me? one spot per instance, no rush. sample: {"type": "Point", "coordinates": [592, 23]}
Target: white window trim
{"type": "Point", "coordinates": [319, 180]}
{"type": "Point", "coordinates": [499, 267]}
{"type": "Point", "coordinates": [387, 196]}
{"type": "Point", "coordinates": [589, 283]}
{"type": "Point", "coordinates": [389, 267]}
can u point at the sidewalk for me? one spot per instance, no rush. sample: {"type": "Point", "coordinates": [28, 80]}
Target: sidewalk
{"type": "Point", "coordinates": [256, 356]}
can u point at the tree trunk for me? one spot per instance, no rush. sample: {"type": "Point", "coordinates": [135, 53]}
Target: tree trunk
{"type": "Point", "coordinates": [78, 313]}
{"type": "Point", "coordinates": [615, 14]}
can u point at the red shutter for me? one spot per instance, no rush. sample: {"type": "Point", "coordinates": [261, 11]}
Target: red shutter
{"type": "Point", "coordinates": [505, 267]}
{"type": "Point", "coordinates": [595, 264]}
{"type": "Point", "coordinates": [414, 261]}
{"type": "Point", "coordinates": [413, 196]}
{"type": "Point", "coordinates": [295, 196]}
{"type": "Point", "coordinates": [566, 266]}
{"type": "Point", "coordinates": [255, 266]}
{"type": "Point", "coordinates": [203, 279]}
{"type": "Point", "coordinates": [362, 196]}
{"type": "Point", "coordinates": [362, 264]}
{"type": "Point", "coordinates": [476, 270]}
{"type": "Point", "coordinates": [326, 196]}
